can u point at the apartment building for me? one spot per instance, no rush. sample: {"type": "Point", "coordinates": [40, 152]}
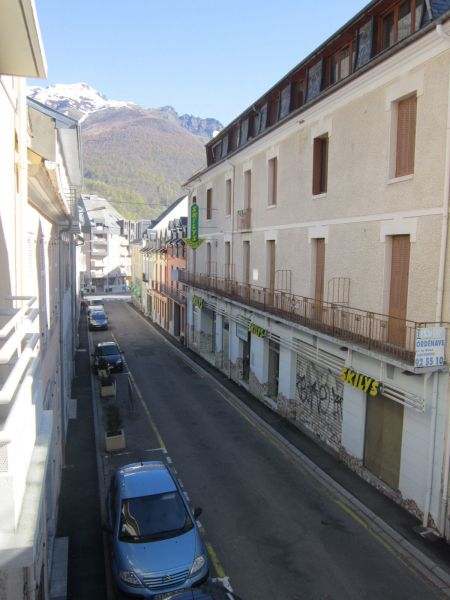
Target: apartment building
{"type": "Point", "coordinates": [164, 256]}
{"type": "Point", "coordinates": [40, 178]}
{"type": "Point", "coordinates": [157, 259]}
{"type": "Point", "coordinates": [318, 280]}
{"type": "Point", "coordinates": [106, 248]}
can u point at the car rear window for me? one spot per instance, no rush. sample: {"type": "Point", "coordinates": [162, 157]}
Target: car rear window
{"type": "Point", "coordinates": [108, 350]}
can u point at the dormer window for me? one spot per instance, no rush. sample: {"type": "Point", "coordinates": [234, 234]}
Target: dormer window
{"type": "Point", "coordinates": [399, 22]}
{"type": "Point", "coordinates": [340, 64]}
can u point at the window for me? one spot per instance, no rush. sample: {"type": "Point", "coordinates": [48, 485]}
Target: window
{"type": "Point", "coordinates": [273, 109]}
{"type": "Point", "coordinates": [217, 151]}
{"type": "Point", "coordinates": [298, 93]}
{"type": "Point", "coordinates": [340, 64]}
{"type": "Point", "coordinates": [320, 165]}
{"type": "Point", "coordinates": [209, 204]}
{"type": "Point", "coordinates": [406, 136]}
{"type": "Point", "coordinates": [398, 23]}
{"type": "Point", "coordinates": [228, 197]}
{"type": "Point", "coordinates": [272, 181]}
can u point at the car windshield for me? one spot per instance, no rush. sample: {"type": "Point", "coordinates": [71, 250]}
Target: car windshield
{"type": "Point", "coordinates": [108, 350]}
{"type": "Point", "coordinates": [98, 314]}
{"type": "Point", "coordinates": [155, 517]}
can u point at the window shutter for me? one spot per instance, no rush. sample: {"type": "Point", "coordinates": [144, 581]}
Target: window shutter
{"type": "Point", "coordinates": [320, 269]}
{"type": "Point", "coordinates": [406, 136]}
{"type": "Point", "coordinates": [317, 162]}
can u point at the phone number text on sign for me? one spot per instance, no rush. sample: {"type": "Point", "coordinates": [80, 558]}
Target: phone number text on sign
{"type": "Point", "coordinates": [430, 347]}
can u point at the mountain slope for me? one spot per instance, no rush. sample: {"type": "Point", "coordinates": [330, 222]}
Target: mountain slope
{"type": "Point", "coordinates": [138, 157]}
{"type": "Point", "coordinates": [135, 157]}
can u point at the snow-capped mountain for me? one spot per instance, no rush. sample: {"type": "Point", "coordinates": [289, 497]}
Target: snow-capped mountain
{"type": "Point", "coordinates": [135, 157]}
{"type": "Point", "coordinates": [76, 99]}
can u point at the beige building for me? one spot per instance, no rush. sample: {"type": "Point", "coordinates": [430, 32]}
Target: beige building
{"type": "Point", "coordinates": [320, 282]}
{"type": "Point", "coordinates": [40, 177]}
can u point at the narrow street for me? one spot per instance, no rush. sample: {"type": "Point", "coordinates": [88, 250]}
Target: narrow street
{"type": "Point", "coordinates": [272, 528]}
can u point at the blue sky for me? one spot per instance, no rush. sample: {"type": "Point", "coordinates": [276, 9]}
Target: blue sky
{"type": "Point", "coordinates": [206, 58]}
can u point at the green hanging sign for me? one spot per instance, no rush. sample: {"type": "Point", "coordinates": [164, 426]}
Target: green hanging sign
{"type": "Point", "coordinates": [194, 223]}
{"type": "Point", "coordinates": [194, 242]}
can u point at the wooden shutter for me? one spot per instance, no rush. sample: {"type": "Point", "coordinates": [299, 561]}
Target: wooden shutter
{"type": "Point", "coordinates": [209, 204]}
{"type": "Point", "coordinates": [406, 136]}
{"type": "Point", "coordinates": [273, 181]}
{"type": "Point", "coordinates": [398, 294]}
{"type": "Point", "coordinates": [316, 166]}
{"type": "Point", "coordinates": [320, 268]}
{"type": "Point", "coordinates": [320, 165]}
{"type": "Point", "coordinates": [248, 189]}
{"type": "Point", "coordinates": [246, 257]}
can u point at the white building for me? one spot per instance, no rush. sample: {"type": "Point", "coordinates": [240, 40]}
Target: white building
{"type": "Point", "coordinates": [323, 217]}
{"type": "Point", "coordinates": [105, 252]}
{"type": "Point", "coordinates": [40, 177]}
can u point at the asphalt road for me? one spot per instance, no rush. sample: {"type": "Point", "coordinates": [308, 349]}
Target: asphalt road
{"type": "Point", "coordinates": [271, 528]}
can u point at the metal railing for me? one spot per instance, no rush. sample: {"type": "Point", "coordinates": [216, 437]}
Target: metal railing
{"type": "Point", "coordinates": [174, 293]}
{"type": "Point", "coordinates": [377, 332]}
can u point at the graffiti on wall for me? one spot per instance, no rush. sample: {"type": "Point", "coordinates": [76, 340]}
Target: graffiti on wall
{"type": "Point", "coordinates": [320, 389]}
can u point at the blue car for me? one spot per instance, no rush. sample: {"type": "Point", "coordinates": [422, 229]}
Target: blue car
{"type": "Point", "coordinates": [156, 546]}
{"type": "Point", "coordinates": [97, 320]}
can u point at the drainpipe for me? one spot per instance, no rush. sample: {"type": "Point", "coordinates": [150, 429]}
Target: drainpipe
{"type": "Point", "coordinates": [443, 520]}
{"type": "Point", "coordinates": [61, 336]}
{"type": "Point", "coordinates": [445, 205]}
{"type": "Point", "coordinates": [231, 253]}
{"type": "Point", "coordinates": [431, 447]}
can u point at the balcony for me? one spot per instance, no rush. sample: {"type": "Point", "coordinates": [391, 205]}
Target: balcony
{"type": "Point", "coordinates": [376, 332]}
{"type": "Point", "coordinates": [175, 293]}
{"type": "Point", "coordinates": [244, 219]}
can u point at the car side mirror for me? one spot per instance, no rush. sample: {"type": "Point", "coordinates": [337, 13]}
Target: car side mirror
{"type": "Point", "coordinates": [197, 512]}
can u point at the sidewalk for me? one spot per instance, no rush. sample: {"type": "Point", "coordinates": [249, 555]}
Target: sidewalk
{"type": "Point", "coordinates": [79, 505]}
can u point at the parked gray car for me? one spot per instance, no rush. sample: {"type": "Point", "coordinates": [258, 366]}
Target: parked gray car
{"type": "Point", "coordinates": [155, 542]}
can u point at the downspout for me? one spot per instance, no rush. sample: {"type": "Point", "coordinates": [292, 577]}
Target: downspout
{"type": "Point", "coordinates": [232, 248]}
{"type": "Point", "coordinates": [431, 447]}
{"type": "Point", "coordinates": [61, 336]}
{"type": "Point", "coordinates": [443, 520]}
{"type": "Point", "coordinates": [445, 204]}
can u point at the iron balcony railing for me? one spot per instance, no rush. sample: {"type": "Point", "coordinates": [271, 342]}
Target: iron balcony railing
{"type": "Point", "coordinates": [175, 293]}
{"type": "Point", "coordinates": [377, 332]}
